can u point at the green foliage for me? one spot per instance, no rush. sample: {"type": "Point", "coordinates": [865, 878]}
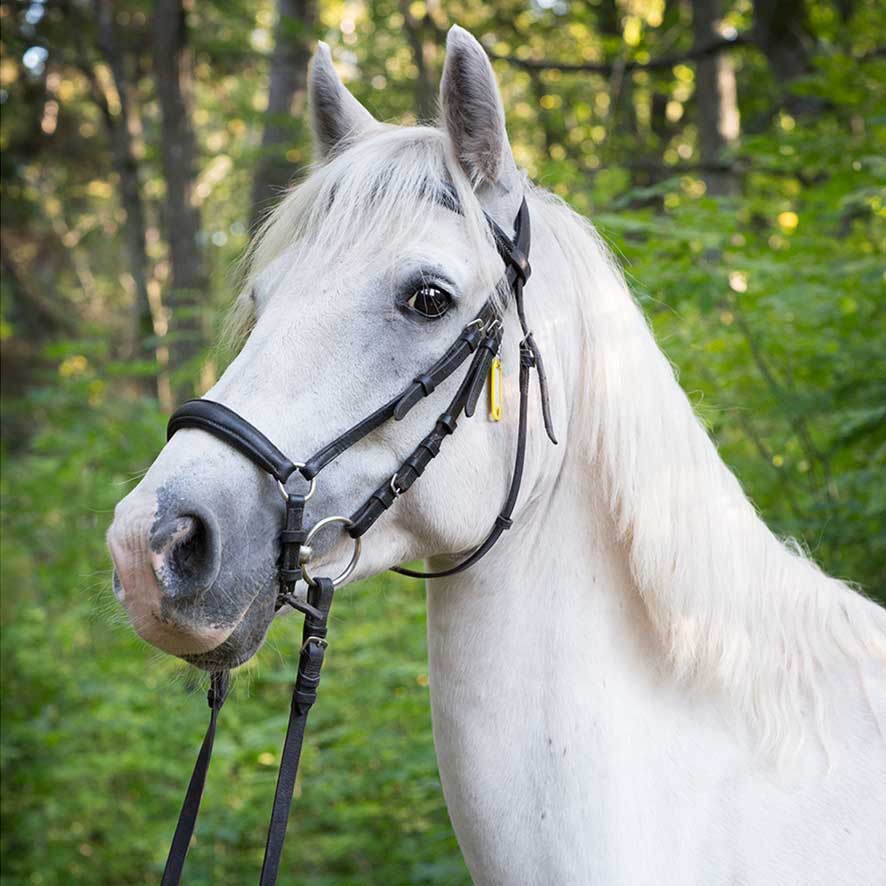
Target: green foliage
{"type": "Point", "coordinates": [770, 301]}
{"type": "Point", "coordinates": [100, 732]}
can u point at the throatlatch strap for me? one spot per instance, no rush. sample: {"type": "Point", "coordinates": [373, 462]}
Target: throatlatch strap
{"type": "Point", "coordinates": [304, 694]}
{"type": "Point", "coordinates": [503, 520]}
{"type": "Point", "coordinates": [187, 818]}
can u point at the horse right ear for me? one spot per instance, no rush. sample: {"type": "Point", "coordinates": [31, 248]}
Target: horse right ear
{"type": "Point", "coordinates": [472, 111]}
{"type": "Point", "coordinates": [336, 116]}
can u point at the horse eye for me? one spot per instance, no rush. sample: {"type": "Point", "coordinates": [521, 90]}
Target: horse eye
{"type": "Point", "coordinates": [430, 301]}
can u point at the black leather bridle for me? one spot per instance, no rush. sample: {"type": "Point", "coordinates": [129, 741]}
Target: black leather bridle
{"type": "Point", "coordinates": [480, 340]}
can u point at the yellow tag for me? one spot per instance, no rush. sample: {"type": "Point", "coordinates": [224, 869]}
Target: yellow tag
{"type": "Point", "coordinates": [495, 389]}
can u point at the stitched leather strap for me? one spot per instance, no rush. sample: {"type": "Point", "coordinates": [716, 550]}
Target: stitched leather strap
{"type": "Point", "coordinates": [399, 406]}
{"type": "Point", "coordinates": [489, 349]}
{"type": "Point", "coordinates": [465, 345]}
{"type": "Point", "coordinates": [187, 818]}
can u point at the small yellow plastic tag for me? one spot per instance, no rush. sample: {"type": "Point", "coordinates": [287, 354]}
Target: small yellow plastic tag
{"type": "Point", "coordinates": [495, 389]}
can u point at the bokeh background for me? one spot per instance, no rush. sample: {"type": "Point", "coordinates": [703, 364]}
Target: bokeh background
{"type": "Point", "coordinates": [732, 153]}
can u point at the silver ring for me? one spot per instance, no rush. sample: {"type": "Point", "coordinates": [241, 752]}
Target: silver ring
{"type": "Point", "coordinates": [358, 546]}
{"type": "Point", "coordinates": [312, 488]}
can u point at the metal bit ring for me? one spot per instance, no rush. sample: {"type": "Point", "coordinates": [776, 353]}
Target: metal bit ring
{"type": "Point", "coordinates": [358, 546]}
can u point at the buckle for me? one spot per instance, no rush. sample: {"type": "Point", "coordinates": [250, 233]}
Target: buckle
{"type": "Point", "coordinates": [527, 354]}
{"type": "Point", "coordinates": [322, 642]}
{"type": "Point", "coordinates": [394, 488]}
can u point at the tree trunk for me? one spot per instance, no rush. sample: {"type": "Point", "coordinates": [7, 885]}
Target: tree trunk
{"type": "Point", "coordinates": [782, 34]}
{"type": "Point", "coordinates": [423, 51]}
{"type": "Point", "coordinates": [780, 30]}
{"type": "Point", "coordinates": [172, 72]}
{"type": "Point", "coordinates": [662, 81]}
{"type": "Point", "coordinates": [715, 94]}
{"type": "Point", "coordinates": [296, 20]}
{"type": "Point", "coordinates": [126, 166]}
{"type": "Point", "coordinates": [622, 114]}
{"type": "Point", "coordinates": [39, 316]}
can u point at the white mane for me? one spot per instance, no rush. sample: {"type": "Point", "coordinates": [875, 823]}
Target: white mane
{"type": "Point", "coordinates": [731, 604]}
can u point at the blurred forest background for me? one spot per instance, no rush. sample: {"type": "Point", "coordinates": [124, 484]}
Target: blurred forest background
{"type": "Point", "coordinates": [731, 151]}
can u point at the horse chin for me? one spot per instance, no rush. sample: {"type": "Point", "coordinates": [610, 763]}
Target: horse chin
{"type": "Point", "coordinates": [242, 643]}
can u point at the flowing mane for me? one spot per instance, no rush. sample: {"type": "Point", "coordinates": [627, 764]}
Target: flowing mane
{"type": "Point", "coordinates": [731, 604]}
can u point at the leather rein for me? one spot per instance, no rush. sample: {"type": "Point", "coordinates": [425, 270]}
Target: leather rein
{"type": "Point", "coordinates": [481, 341]}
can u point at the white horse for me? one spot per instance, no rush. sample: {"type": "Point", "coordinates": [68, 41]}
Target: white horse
{"type": "Point", "coordinates": [640, 684]}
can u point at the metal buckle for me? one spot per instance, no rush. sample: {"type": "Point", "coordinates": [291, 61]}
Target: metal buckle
{"type": "Point", "coordinates": [312, 488]}
{"type": "Point", "coordinates": [358, 547]}
{"type": "Point", "coordinates": [320, 641]}
{"type": "Point", "coordinates": [393, 484]}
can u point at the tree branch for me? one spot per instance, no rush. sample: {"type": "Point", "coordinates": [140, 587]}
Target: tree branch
{"type": "Point", "coordinates": [666, 61]}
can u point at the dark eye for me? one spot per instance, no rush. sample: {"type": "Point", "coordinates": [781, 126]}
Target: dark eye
{"type": "Point", "coordinates": [430, 301]}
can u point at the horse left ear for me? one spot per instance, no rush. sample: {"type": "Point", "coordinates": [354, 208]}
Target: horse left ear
{"type": "Point", "coordinates": [336, 116]}
{"type": "Point", "coordinates": [472, 111]}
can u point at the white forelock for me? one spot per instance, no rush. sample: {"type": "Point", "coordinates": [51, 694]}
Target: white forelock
{"type": "Point", "coordinates": [360, 206]}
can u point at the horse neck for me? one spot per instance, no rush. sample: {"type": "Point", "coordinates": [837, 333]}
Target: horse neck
{"type": "Point", "coordinates": [535, 660]}
{"type": "Point", "coordinates": [532, 608]}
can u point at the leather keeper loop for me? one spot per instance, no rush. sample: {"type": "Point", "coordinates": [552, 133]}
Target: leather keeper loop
{"type": "Point", "coordinates": [473, 337]}
{"type": "Point", "coordinates": [428, 385]}
{"type": "Point", "coordinates": [519, 261]}
{"type": "Point", "coordinates": [304, 698]}
{"type": "Point", "coordinates": [384, 496]}
{"type": "Point", "coordinates": [432, 444]}
{"type": "Point", "coordinates": [417, 462]}
{"type": "Point", "coordinates": [503, 522]}
{"type": "Point", "coordinates": [447, 422]}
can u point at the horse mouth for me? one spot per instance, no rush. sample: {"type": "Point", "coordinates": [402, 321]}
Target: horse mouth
{"type": "Point", "coordinates": [243, 642]}
{"type": "Point", "coordinates": [207, 637]}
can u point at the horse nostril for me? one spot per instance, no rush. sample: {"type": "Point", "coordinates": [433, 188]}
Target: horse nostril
{"type": "Point", "coordinates": [183, 556]}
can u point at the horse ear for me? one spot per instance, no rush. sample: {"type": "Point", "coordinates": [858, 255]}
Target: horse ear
{"type": "Point", "coordinates": [336, 115]}
{"type": "Point", "coordinates": [472, 110]}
